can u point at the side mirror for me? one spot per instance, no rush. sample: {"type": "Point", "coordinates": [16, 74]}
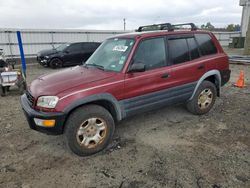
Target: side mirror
{"type": "Point", "coordinates": [137, 67]}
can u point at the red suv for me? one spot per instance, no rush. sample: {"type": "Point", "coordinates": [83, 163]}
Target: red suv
{"type": "Point", "coordinates": [126, 75]}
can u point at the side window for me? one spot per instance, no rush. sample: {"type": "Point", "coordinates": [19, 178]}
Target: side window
{"type": "Point", "coordinates": [94, 46]}
{"type": "Point", "coordinates": [178, 50]}
{"type": "Point", "coordinates": [193, 48]}
{"type": "Point", "coordinates": [75, 47]}
{"type": "Point", "coordinates": [97, 45]}
{"type": "Point", "coordinates": [89, 47]}
{"type": "Point", "coordinates": [206, 44]}
{"type": "Point", "coordinates": [86, 47]}
{"type": "Point", "coordinates": [151, 53]}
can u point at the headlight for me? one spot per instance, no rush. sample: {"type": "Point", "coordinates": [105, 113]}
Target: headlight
{"type": "Point", "coordinates": [47, 101]}
{"type": "Point", "coordinates": [46, 57]}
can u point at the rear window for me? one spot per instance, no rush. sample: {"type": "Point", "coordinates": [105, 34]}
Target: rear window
{"type": "Point", "coordinates": [193, 48]}
{"type": "Point", "coordinates": [178, 50]}
{"type": "Point", "coordinates": [206, 44]}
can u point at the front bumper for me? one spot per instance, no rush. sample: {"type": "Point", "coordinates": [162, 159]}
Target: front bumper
{"type": "Point", "coordinates": [42, 61]}
{"type": "Point", "coordinates": [30, 114]}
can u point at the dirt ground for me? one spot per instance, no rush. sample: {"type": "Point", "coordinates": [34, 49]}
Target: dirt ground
{"type": "Point", "coordinates": [165, 148]}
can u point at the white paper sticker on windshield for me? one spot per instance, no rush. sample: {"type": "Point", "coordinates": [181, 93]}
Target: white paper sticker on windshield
{"type": "Point", "coordinates": [120, 48]}
{"type": "Point", "coordinates": [122, 59]}
{"type": "Point", "coordinates": [121, 62]}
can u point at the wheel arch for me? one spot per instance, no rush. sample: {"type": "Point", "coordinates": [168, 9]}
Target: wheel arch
{"type": "Point", "coordinates": [212, 76]}
{"type": "Point", "coordinates": [106, 100]}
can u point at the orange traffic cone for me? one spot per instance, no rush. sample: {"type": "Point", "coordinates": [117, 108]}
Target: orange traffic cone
{"type": "Point", "coordinates": [241, 81]}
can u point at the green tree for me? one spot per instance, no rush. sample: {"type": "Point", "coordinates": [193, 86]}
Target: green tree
{"type": "Point", "coordinates": [232, 27]}
{"type": "Point", "coordinates": [203, 26]}
{"type": "Point", "coordinates": [207, 26]}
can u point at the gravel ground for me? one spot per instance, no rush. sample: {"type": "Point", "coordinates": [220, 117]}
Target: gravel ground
{"type": "Point", "coordinates": [165, 148]}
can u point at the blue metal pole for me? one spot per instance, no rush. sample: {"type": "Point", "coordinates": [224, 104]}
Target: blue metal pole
{"type": "Point", "coordinates": [20, 44]}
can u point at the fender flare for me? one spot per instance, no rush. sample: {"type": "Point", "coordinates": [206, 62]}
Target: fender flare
{"type": "Point", "coordinates": [215, 73]}
{"type": "Point", "coordinates": [97, 97]}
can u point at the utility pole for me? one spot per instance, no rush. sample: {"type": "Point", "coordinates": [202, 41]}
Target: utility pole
{"type": "Point", "coordinates": [124, 24]}
{"type": "Point", "coordinates": [247, 40]}
{"type": "Point", "coordinates": [245, 16]}
{"type": "Point", "coordinates": [245, 25]}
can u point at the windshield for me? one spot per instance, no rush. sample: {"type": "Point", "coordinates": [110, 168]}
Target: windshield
{"type": "Point", "coordinates": [112, 54]}
{"type": "Point", "coordinates": [62, 47]}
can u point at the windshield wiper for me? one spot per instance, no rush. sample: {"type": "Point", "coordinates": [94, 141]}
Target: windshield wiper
{"type": "Point", "coordinates": [95, 65]}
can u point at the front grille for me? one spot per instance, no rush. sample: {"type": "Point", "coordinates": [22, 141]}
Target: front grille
{"type": "Point", "coordinates": [30, 98]}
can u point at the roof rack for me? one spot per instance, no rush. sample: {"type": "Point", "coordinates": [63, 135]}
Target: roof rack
{"type": "Point", "coordinates": [164, 26]}
{"type": "Point", "coordinates": [154, 27]}
{"type": "Point", "coordinates": [193, 26]}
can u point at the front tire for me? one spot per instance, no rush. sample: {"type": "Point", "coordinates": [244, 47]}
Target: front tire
{"type": "Point", "coordinates": [56, 63]}
{"type": "Point", "coordinates": [203, 99]}
{"type": "Point", "coordinates": [89, 129]}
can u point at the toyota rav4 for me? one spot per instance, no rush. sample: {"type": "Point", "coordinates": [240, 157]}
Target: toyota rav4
{"type": "Point", "coordinates": [127, 74]}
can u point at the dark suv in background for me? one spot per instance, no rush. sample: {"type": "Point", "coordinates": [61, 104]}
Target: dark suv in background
{"type": "Point", "coordinates": [67, 54]}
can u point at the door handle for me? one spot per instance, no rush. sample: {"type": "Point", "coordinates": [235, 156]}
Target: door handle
{"type": "Point", "coordinates": [201, 67]}
{"type": "Point", "coordinates": [166, 75]}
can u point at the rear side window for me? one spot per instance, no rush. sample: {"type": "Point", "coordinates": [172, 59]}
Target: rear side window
{"type": "Point", "coordinates": [86, 47]}
{"type": "Point", "coordinates": [151, 52]}
{"type": "Point", "coordinates": [206, 44]}
{"type": "Point", "coordinates": [193, 48]}
{"type": "Point", "coordinates": [77, 47]}
{"type": "Point", "coordinates": [90, 47]}
{"type": "Point", "coordinates": [95, 45]}
{"type": "Point", "coordinates": [178, 50]}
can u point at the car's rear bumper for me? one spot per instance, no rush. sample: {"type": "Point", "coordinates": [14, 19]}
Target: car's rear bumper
{"type": "Point", "coordinates": [30, 114]}
{"type": "Point", "coordinates": [225, 76]}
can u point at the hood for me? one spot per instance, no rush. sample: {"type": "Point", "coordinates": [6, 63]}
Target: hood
{"type": "Point", "coordinates": [47, 52]}
{"type": "Point", "coordinates": [55, 83]}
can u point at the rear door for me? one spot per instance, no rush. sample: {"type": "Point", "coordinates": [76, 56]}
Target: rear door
{"type": "Point", "coordinates": [73, 54]}
{"type": "Point", "coordinates": [87, 49]}
{"type": "Point", "coordinates": [209, 51]}
{"type": "Point", "coordinates": [185, 62]}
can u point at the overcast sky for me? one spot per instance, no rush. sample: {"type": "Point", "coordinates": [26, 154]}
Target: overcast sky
{"type": "Point", "coordinates": [109, 14]}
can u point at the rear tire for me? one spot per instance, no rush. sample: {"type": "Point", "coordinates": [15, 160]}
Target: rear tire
{"type": "Point", "coordinates": [89, 129]}
{"type": "Point", "coordinates": [203, 99]}
{"type": "Point", "coordinates": [56, 63]}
